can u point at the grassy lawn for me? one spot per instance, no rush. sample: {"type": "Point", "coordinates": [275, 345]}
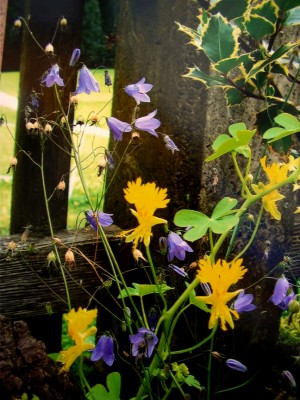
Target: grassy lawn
{"type": "Point", "coordinates": [91, 147]}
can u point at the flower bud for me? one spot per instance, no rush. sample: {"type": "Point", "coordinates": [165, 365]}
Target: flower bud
{"type": "Point", "coordinates": [63, 22]}
{"type": "Point", "coordinates": [49, 49]}
{"type": "Point", "coordinates": [61, 185]}
{"type": "Point", "coordinates": [250, 217]}
{"type": "Point", "coordinates": [80, 120]}
{"type": "Point", "coordinates": [57, 241]}
{"type": "Point", "coordinates": [93, 117]}
{"type": "Point", "coordinates": [36, 125]}
{"type": "Point", "coordinates": [17, 23]}
{"type": "Point", "coordinates": [137, 254]}
{"type": "Point", "coordinates": [250, 178]}
{"type": "Point", "coordinates": [63, 120]}
{"type": "Point", "coordinates": [294, 306]}
{"type": "Point", "coordinates": [289, 377]}
{"type": "Point", "coordinates": [29, 126]}
{"type": "Point", "coordinates": [74, 100]}
{"type": "Point", "coordinates": [13, 162]}
{"type": "Point", "coordinates": [48, 128]}
{"type": "Point", "coordinates": [74, 57]}
{"type": "Point", "coordinates": [51, 257]}
{"type": "Point", "coordinates": [70, 258]}
{"type": "Point", "coordinates": [12, 245]}
{"type": "Point", "coordinates": [163, 245]}
{"type": "Point", "coordinates": [102, 162]}
{"type": "Point", "coordinates": [135, 135]}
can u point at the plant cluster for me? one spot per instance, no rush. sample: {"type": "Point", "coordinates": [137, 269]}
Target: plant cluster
{"type": "Point", "coordinates": [238, 40]}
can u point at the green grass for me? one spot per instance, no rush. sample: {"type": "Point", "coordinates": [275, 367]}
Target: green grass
{"type": "Point", "coordinates": [90, 149]}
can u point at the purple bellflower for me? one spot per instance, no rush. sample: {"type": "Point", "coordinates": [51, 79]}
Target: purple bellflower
{"type": "Point", "coordinates": [138, 91]}
{"type": "Point", "coordinates": [86, 82]}
{"type": "Point", "coordinates": [107, 79]}
{"type": "Point", "coordinates": [117, 127]}
{"type": "Point", "coordinates": [177, 247]}
{"type": "Point", "coordinates": [280, 296]}
{"type": "Point", "coordinates": [104, 350]}
{"type": "Point", "coordinates": [103, 219]}
{"type": "Point", "coordinates": [243, 302]}
{"type": "Point", "coordinates": [53, 77]}
{"type": "Point", "coordinates": [148, 123]}
{"type": "Point", "coordinates": [289, 378]}
{"type": "Point", "coordinates": [178, 270]}
{"type": "Point", "coordinates": [143, 342]}
{"type": "Point", "coordinates": [170, 145]}
{"type": "Point", "coordinates": [236, 365]}
{"type": "Point", "coordinates": [74, 57]}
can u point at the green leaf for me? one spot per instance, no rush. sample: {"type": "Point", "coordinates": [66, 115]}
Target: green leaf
{"type": "Point", "coordinates": [223, 207]}
{"type": "Point", "coordinates": [193, 300]}
{"type": "Point", "coordinates": [198, 222]}
{"type": "Point", "coordinates": [285, 5]}
{"type": "Point", "coordinates": [234, 97]}
{"type": "Point", "coordinates": [240, 139]}
{"type": "Point", "coordinates": [192, 381]}
{"type": "Point", "coordinates": [260, 65]}
{"type": "Point", "coordinates": [198, 75]}
{"type": "Point", "coordinates": [113, 382]}
{"type": "Point", "coordinates": [293, 17]}
{"type": "Point", "coordinates": [262, 19]}
{"type": "Point", "coordinates": [142, 290]}
{"type": "Point", "coordinates": [229, 64]}
{"type": "Point", "coordinates": [219, 39]}
{"type": "Point", "coordinates": [290, 123]}
{"type": "Point", "coordinates": [230, 10]}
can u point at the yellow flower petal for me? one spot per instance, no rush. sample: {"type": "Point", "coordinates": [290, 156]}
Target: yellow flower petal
{"type": "Point", "coordinates": [67, 357]}
{"type": "Point", "coordinates": [220, 276]}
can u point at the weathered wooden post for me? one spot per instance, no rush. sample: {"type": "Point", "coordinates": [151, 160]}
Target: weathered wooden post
{"type": "Point", "coordinates": [28, 205]}
{"type": "Point", "coordinates": [3, 11]}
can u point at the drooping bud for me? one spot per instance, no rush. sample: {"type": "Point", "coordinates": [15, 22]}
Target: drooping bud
{"type": "Point", "coordinates": [63, 120]}
{"type": "Point", "coordinates": [51, 257]}
{"type": "Point", "coordinates": [135, 135]}
{"type": "Point", "coordinates": [93, 117]}
{"type": "Point", "coordinates": [250, 178]}
{"type": "Point", "coordinates": [29, 126]}
{"type": "Point", "coordinates": [48, 128]}
{"type": "Point", "coordinates": [289, 377]}
{"type": "Point", "coordinates": [36, 124]}
{"type": "Point", "coordinates": [294, 306]}
{"type": "Point", "coordinates": [137, 254]}
{"type": "Point", "coordinates": [48, 307]}
{"type": "Point", "coordinates": [74, 57]}
{"type": "Point", "coordinates": [49, 49]}
{"type": "Point", "coordinates": [13, 162]}
{"type": "Point", "coordinates": [107, 79]}
{"type": "Point", "coordinates": [74, 100]}
{"type": "Point", "coordinates": [61, 185]}
{"type": "Point", "coordinates": [57, 241]}
{"type": "Point", "coordinates": [11, 245]}
{"type": "Point", "coordinates": [70, 258]}
{"type": "Point", "coordinates": [103, 162]}
{"type": "Point", "coordinates": [163, 245]}
{"type": "Point", "coordinates": [63, 22]}
{"type": "Point", "coordinates": [17, 23]}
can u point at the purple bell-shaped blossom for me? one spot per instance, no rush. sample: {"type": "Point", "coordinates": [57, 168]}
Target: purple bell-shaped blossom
{"type": "Point", "coordinates": [148, 123]}
{"type": "Point", "coordinates": [86, 82]}
{"type": "Point", "coordinates": [103, 219]}
{"type": "Point", "coordinates": [236, 365]}
{"type": "Point", "coordinates": [243, 303]}
{"type": "Point", "coordinates": [138, 91]}
{"type": "Point", "coordinates": [178, 270]}
{"type": "Point", "coordinates": [281, 296]}
{"type": "Point", "coordinates": [104, 350]}
{"type": "Point", "coordinates": [170, 145]}
{"type": "Point", "coordinates": [117, 127]}
{"type": "Point", "coordinates": [177, 247]}
{"type": "Point", "coordinates": [53, 77]}
{"type": "Point", "coordinates": [143, 342]}
{"type": "Point", "coordinates": [74, 57]}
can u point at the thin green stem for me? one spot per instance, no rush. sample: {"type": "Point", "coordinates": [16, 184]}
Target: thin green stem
{"type": "Point", "coordinates": [155, 277]}
{"type": "Point", "coordinates": [190, 349]}
{"type": "Point", "coordinates": [52, 231]}
{"type": "Point", "coordinates": [210, 362]}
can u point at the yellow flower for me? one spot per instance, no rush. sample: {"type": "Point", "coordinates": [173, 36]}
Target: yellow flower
{"type": "Point", "coordinates": [220, 276]}
{"type": "Point", "coordinates": [79, 331]}
{"type": "Point", "coordinates": [146, 198]}
{"type": "Point", "coordinates": [276, 174]}
{"type": "Point", "coordinates": [297, 210]}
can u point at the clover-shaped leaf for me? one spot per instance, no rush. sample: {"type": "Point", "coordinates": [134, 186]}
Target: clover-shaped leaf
{"type": "Point", "coordinates": [113, 382]}
{"type": "Point", "coordinates": [198, 223]}
{"type": "Point", "coordinates": [290, 125]}
{"type": "Point", "coordinates": [238, 142]}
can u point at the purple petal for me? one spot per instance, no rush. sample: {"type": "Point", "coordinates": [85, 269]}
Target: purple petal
{"type": "Point", "coordinates": [170, 145]}
{"type": "Point", "coordinates": [138, 91]}
{"type": "Point", "coordinates": [178, 270]}
{"type": "Point", "coordinates": [105, 350]}
{"type": "Point", "coordinates": [289, 377]}
{"type": "Point", "coordinates": [243, 303]}
{"type": "Point", "coordinates": [280, 290]}
{"type": "Point", "coordinates": [74, 57]}
{"type": "Point", "coordinates": [117, 127]}
{"type": "Point", "coordinates": [105, 219]}
{"type": "Point", "coordinates": [86, 82]}
{"type": "Point", "coordinates": [148, 123]}
{"type": "Point", "coordinates": [53, 77]}
{"type": "Point", "coordinates": [177, 247]}
{"type": "Point", "coordinates": [236, 365]}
